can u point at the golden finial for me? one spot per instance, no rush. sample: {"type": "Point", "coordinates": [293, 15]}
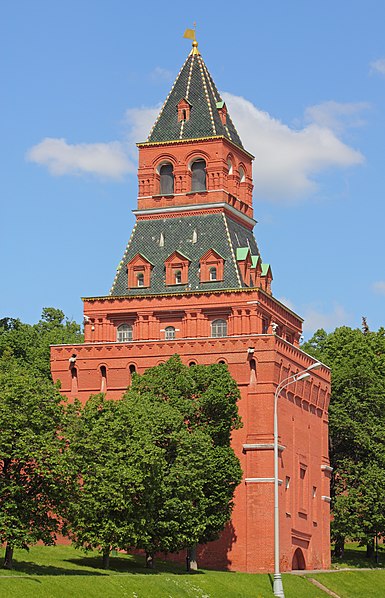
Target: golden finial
{"type": "Point", "coordinates": [190, 34]}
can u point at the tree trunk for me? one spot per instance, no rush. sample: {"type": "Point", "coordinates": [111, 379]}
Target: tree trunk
{"type": "Point", "coordinates": [106, 557]}
{"type": "Point", "coordinates": [191, 559]}
{"type": "Point", "coordinates": [370, 549]}
{"type": "Point", "coordinates": [339, 547]}
{"type": "Point", "coordinates": [8, 560]}
{"type": "Point", "coordinates": [149, 560]}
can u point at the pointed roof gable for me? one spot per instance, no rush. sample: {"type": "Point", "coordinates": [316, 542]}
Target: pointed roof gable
{"type": "Point", "coordinates": [195, 85]}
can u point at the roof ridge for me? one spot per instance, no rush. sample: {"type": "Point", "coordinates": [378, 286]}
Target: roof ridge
{"type": "Point", "coordinates": [166, 100]}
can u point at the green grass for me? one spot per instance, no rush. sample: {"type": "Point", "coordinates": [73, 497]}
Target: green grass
{"type": "Point", "coordinates": [354, 584]}
{"type": "Point", "coordinates": [355, 556]}
{"type": "Point", "coordinates": [63, 572]}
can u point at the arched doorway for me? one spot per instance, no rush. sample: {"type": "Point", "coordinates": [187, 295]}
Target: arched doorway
{"type": "Point", "coordinates": [298, 562]}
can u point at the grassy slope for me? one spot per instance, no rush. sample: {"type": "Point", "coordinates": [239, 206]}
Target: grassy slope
{"type": "Point", "coordinates": [64, 572]}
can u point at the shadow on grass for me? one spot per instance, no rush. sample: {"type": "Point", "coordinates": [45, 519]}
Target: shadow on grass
{"type": "Point", "coordinates": [30, 568]}
{"type": "Point", "coordinates": [354, 557]}
{"type": "Point", "coordinates": [130, 564]}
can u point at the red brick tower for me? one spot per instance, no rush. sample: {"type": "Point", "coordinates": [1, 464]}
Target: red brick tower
{"type": "Point", "coordinates": [192, 282]}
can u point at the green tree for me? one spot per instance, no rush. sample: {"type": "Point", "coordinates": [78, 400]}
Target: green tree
{"type": "Point", "coordinates": [30, 344]}
{"type": "Point", "coordinates": [193, 500]}
{"type": "Point", "coordinates": [36, 477]}
{"type": "Point", "coordinates": [357, 430]}
{"type": "Point", "coordinates": [114, 469]}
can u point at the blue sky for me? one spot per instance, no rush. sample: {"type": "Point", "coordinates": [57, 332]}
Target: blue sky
{"type": "Point", "coordinates": [305, 85]}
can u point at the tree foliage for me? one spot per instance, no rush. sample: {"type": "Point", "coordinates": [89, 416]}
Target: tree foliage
{"type": "Point", "coordinates": [30, 344]}
{"type": "Point", "coordinates": [357, 429]}
{"type": "Point", "coordinates": [36, 477]}
{"type": "Point", "coordinates": [156, 468]}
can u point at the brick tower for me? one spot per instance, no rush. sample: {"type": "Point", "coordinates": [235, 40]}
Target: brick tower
{"type": "Point", "coordinates": [192, 282]}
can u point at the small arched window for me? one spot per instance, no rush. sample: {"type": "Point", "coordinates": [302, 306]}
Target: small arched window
{"type": "Point", "coordinates": [103, 373]}
{"type": "Point", "coordinates": [124, 333]}
{"type": "Point", "coordinates": [132, 369]}
{"type": "Point", "coordinates": [230, 166]}
{"type": "Point", "coordinates": [169, 333]}
{"type": "Point", "coordinates": [191, 364]}
{"type": "Point", "coordinates": [219, 328]}
{"type": "Point", "coordinates": [140, 279]}
{"type": "Point", "coordinates": [198, 175]}
{"type": "Point", "coordinates": [177, 277]}
{"type": "Point", "coordinates": [213, 273]}
{"type": "Point", "coordinates": [166, 173]}
{"type": "Point", "coordinates": [242, 176]}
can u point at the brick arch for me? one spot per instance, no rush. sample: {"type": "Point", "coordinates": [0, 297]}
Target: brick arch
{"type": "Point", "coordinates": [298, 562]}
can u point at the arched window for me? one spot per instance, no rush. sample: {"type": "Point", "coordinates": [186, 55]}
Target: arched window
{"type": "Point", "coordinates": [191, 364]}
{"type": "Point", "coordinates": [132, 369]}
{"type": "Point", "coordinates": [124, 333]}
{"type": "Point", "coordinates": [140, 279]}
{"type": "Point", "coordinates": [166, 173]}
{"type": "Point", "coordinates": [177, 277]}
{"type": "Point", "coordinates": [213, 273]}
{"type": "Point", "coordinates": [103, 373]}
{"type": "Point", "coordinates": [198, 175]}
{"type": "Point", "coordinates": [242, 177]}
{"type": "Point", "coordinates": [218, 328]}
{"type": "Point", "coordinates": [169, 333]}
{"type": "Point", "coordinates": [230, 166]}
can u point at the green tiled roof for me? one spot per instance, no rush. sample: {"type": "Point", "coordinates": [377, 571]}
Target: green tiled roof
{"type": "Point", "coordinates": [194, 84]}
{"type": "Point", "coordinates": [212, 231]}
{"type": "Point", "coordinates": [242, 253]}
{"type": "Point", "coordinates": [254, 260]}
{"type": "Point", "coordinates": [265, 269]}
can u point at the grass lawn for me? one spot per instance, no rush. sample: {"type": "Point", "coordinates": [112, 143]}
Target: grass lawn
{"type": "Point", "coordinates": [354, 584]}
{"type": "Point", "coordinates": [63, 572]}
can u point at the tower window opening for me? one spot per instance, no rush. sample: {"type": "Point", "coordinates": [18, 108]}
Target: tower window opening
{"type": "Point", "coordinates": [140, 279]}
{"type": "Point", "coordinates": [218, 328]}
{"type": "Point", "coordinates": [169, 333]}
{"type": "Point", "coordinates": [184, 114]}
{"type": "Point", "coordinates": [103, 373]}
{"type": "Point", "coordinates": [198, 176]}
{"type": "Point", "coordinates": [124, 333]}
{"type": "Point", "coordinates": [213, 273]}
{"type": "Point", "coordinates": [230, 166]}
{"type": "Point", "coordinates": [242, 176]}
{"type": "Point", "coordinates": [166, 173]}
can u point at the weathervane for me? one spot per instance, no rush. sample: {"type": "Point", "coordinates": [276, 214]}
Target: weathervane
{"type": "Point", "coordinates": [190, 34]}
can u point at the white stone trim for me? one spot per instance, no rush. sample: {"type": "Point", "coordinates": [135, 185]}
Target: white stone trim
{"type": "Point", "coordinates": [261, 480]}
{"type": "Point", "coordinates": [326, 498]}
{"type": "Point", "coordinates": [326, 468]}
{"type": "Point", "coordinates": [267, 446]}
{"type": "Point", "coordinates": [188, 208]}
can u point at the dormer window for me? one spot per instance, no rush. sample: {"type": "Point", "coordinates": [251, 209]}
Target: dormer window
{"type": "Point", "coordinates": [198, 176]}
{"type": "Point", "coordinates": [184, 108]}
{"type": "Point", "coordinates": [166, 175]}
{"type": "Point", "coordinates": [177, 266]}
{"type": "Point", "coordinates": [211, 266]}
{"type": "Point", "coordinates": [139, 272]}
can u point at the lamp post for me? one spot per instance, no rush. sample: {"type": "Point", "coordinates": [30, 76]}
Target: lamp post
{"type": "Point", "coordinates": [277, 586]}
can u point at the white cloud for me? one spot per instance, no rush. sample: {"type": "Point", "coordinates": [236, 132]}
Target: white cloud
{"type": "Point", "coordinates": [378, 66]}
{"type": "Point", "coordinates": [315, 319]}
{"type": "Point", "coordinates": [108, 160]}
{"type": "Point", "coordinates": [139, 122]}
{"type": "Point", "coordinates": [379, 287]}
{"type": "Point", "coordinates": [287, 159]}
{"type": "Point", "coordinates": [160, 74]}
{"type": "Point", "coordinates": [337, 116]}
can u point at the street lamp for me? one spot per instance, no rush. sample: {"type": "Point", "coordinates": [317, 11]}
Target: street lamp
{"type": "Point", "coordinates": [277, 586]}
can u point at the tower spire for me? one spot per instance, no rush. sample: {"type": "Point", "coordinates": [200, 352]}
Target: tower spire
{"type": "Point", "coordinates": [191, 34]}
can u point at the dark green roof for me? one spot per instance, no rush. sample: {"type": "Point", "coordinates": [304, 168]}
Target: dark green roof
{"type": "Point", "coordinates": [212, 231]}
{"type": "Point", "coordinates": [194, 84]}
